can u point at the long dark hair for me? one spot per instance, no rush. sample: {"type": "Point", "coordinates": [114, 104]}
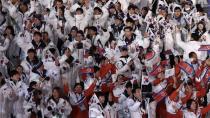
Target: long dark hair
{"type": "Point", "coordinates": [11, 29]}
{"type": "Point", "coordinates": [189, 102]}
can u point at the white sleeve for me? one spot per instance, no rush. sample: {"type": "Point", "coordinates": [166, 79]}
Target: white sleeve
{"type": "Point", "coordinates": [5, 47]}
{"type": "Point", "coordinates": [74, 7]}
{"type": "Point", "coordinates": [32, 6]}
{"type": "Point", "coordinates": [105, 13]}
{"type": "Point", "coordinates": [87, 44]}
{"type": "Point", "coordinates": [63, 59]}
{"type": "Point", "coordinates": [25, 67]}
{"type": "Point", "coordinates": [68, 109]}
{"type": "Point", "coordinates": [179, 42]}
{"type": "Point", "coordinates": [143, 42]}
{"type": "Point", "coordinates": [146, 42]}
{"type": "Point", "coordinates": [169, 42]}
{"type": "Point", "coordinates": [133, 106]}
{"type": "Point", "coordinates": [105, 38]}
{"type": "Point", "coordinates": [68, 16]}
{"type": "Point", "coordinates": [121, 68]}
{"type": "Point", "coordinates": [88, 14]}
{"type": "Point", "coordinates": [23, 45]}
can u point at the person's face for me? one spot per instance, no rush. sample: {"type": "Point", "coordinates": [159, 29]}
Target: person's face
{"type": "Point", "coordinates": [187, 7]}
{"type": "Point", "coordinates": [92, 32]}
{"type": "Point", "coordinates": [117, 21]}
{"type": "Point", "coordinates": [129, 90]}
{"type": "Point", "coordinates": [200, 26]}
{"type": "Point", "coordinates": [129, 24]}
{"type": "Point", "coordinates": [117, 6]}
{"type": "Point", "coordinates": [28, 24]}
{"type": "Point", "coordinates": [8, 31]}
{"type": "Point", "coordinates": [128, 33]}
{"type": "Point", "coordinates": [78, 89]}
{"type": "Point", "coordinates": [112, 10]}
{"type": "Point", "coordinates": [194, 58]}
{"type": "Point", "coordinates": [164, 13]}
{"type": "Point", "coordinates": [176, 60]}
{"type": "Point", "coordinates": [59, 4]}
{"type": "Point", "coordinates": [120, 79]}
{"type": "Point", "coordinates": [161, 75]}
{"type": "Point", "coordinates": [19, 69]}
{"type": "Point", "coordinates": [45, 36]}
{"type": "Point", "coordinates": [193, 106]}
{"type": "Point", "coordinates": [110, 97]}
{"type": "Point", "coordinates": [31, 55]}
{"type": "Point", "coordinates": [16, 77]}
{"type": "Point", "coordinates": [113, 44]}
{"type": "Point", "coordinates": [79, 37]}
{"type": "Point", "coordinates": [36, 86]}
{"type": "Point", "coordinates": [37, 38]}
{"type": "Point", "coordinates": [96, 12]}
{"type": "Point", "coordinates": [188, 88]}
{"type": "Point", "coordinates": [14, 1]}
{"type": "Point", "coordinates": [23, 8]}
{"type": "Point", "coordinates": [143, 12]}
{"type": "Point", "coordinates": [81, 1]}
{"type": "Point", "coordinates": [124, 53]}
{"type": "Point", "coordinates": [37, 21]}
{"type": "Point", "coordinates": [131, 11]}
{"type": "Point", "coordinates": [73, 33]}
{"type": "Point", "coordinates": [137, 93]}
{"type": "Point", "coordinates": [101, 99]}
{"type": "Point", "coordinates": [104, 1]}
{"type": "Point", "coordinates": [208, 62]}
{"type": "Point", "coordinates": [42, 67]}
{"type": "Point", "coordinates": [55, 94]}
{"type": "Point", "coordinates": [78, 12]}
{"type": "Point", "coordinates": [177, 13]}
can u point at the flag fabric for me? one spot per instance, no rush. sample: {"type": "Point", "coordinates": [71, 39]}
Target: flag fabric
{"type": "Point", "coordinates": [201, 74]}
{"type": "Point", "coordinates": [145, 80]}
{"type": "Point", "coordinates": [93, 99]}
{"type": "Point", "coordinates": [187, 68]}
{"type": "Point", "coordinates": [157, 70]}
{"type": "Point", "coordinates": [159, 96]}
{"type": "Point", "coordinates": [86, 71]}
{"type": "Point", "coordinates": [204, 48]}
